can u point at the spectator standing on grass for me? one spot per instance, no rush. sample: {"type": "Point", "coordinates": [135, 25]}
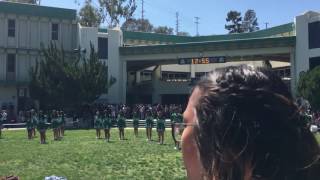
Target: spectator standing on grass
{"type": "Point", "coordinates": [142, 108]}
{"type": "Point", "coordinates": [34, 120]}
{"type": "Point", "coordinates": [113, 112]}
{"type": "Point", "coordinates": [149, 125]}
{"type": "Point", "coordinates": [59, 121]}
{"type": "Point", "coordinates": [97, 124]}
{"type": "Point", "coordinates": [55, 125]}
{"type": "Point", "coordinates": [121, 122]}
{"type": "Point", "coordinates": [63, 122]}
{"type": "Point", "coordinates": [29, 124]}
{"type": "Point", "coordinates": [135, 122]}
{"type": "Point", "coordinates": [107, 124]}
{"type": "Point", "coordinates": [1, 125]}
{"type": "Point", "coordinates": [161, 126]}
{"type": "Point", "coordinates": [242, 124]}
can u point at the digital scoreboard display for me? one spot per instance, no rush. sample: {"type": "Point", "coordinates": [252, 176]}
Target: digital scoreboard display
{"type": "Point", "coordinates": [203, 60]}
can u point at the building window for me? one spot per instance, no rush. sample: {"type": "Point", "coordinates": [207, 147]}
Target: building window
{"type": "Point", "coordinates": [11, 28]}
{"type": "Point", "coordinates": [314, 62]}
{"type": "Point", "coordinates": [11, 63]}
{"type": "Point", "coordinates": [314, 35]}
{"type": "Point", "coordinates": [103, 48]}
{"type": "Point", "coordinates": [55, 31]}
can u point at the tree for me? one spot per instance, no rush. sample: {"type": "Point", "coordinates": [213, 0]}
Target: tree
{"type": "Point", "coordinates": [26, 1]}
{"type": "Point", "coordinates": [309, 87]}
{"type": "Point", "coordinates": [61, 80]}
{"type": "Point", "coordinates": [235, 25]}
{"type": "Point", "coordinates": [115, 10]}
{"type": "Point", "coordinates": [142, 25]}
{"type": "Point", "coordinates": [163, 30]}
{"type": "Point", "coordinates": [250, 21]}
{"type": "Point", "coordinates": [89, 16]}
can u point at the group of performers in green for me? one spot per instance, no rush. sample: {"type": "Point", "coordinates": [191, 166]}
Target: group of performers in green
{"type": "Point", "coordinates": [40, 122]}
{"type": "Point", "coordinates": [104, 121]}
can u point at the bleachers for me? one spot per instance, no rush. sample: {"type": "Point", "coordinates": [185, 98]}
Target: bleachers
{"type": "Point", "coordinates": [142, 123]}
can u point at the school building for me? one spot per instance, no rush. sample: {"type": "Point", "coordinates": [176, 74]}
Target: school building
{"type": "Point", "coordinates": [147, 67]}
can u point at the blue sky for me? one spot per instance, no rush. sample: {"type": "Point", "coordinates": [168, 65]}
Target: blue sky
{"type": "Point", "coordinates": [212, 13]}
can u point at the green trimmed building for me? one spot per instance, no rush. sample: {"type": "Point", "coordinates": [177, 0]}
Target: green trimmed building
{"type": "Point", "coordinates": [157, 68]}
{"type": "Point", "coordinates": [147, 67]}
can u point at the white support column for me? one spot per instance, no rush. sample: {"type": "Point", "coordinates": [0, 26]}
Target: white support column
{"type": "Point", "coordinates": [156, 75]}
{"type": "Point", "coordinates": [192, 71]}
{"type": "Point", "coordinates": [115, 66]}
{"type": "Point", "coordinates": [293, 73]}
{"type": "Point", "coordinates": [138, 77]}
{"type": "Point", "coordinates": [124, 82]}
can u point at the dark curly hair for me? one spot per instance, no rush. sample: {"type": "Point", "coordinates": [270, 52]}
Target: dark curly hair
{"type": "Point", "coordinates": [249, 128]}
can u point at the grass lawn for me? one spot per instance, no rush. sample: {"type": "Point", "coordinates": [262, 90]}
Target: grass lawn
{"type": "Point", "coordinates": [80, 156]}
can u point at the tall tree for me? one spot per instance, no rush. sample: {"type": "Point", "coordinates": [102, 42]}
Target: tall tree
{"type": "Point", "coordinates": [163, 30]}
{"type": "Point", "coordinates": [26, 1]}
{"type": "Point", "coordinates": [142, 25]}
{"type": "Point", "coordinates": [309, 87]}
{"type": "Point", "coordinates": [250, 21]}
{"type": "Point", "coordinates": [60, 80]}
{"type": "Point", "coordinates": [114, 11]}
{"type": "Point", "coordinates": [89, 16]}
{"type": "Point", "coordinates": [235, 22]}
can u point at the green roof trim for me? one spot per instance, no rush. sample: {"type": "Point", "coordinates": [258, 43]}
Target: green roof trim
{"type": "Point", "coordinates": [288, 41]}
{"type": "Point", "coordinates": [274, 31]}
{"type": "Point", "coordinates": [103, 30]}
{"type": "Point", "coordinates": [130, 35]}
{"type": "Point", "coordinates": [38, 11]}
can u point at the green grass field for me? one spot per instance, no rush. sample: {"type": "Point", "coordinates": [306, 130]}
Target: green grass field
{"type": "Point", "coordinates": [80, 156]}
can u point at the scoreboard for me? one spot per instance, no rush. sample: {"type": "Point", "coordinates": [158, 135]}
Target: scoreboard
{"type": "Point", "coordinates": [203, 60]}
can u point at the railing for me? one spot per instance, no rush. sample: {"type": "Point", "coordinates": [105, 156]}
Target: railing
{"type": "Point", "coordinates": [75, 124]}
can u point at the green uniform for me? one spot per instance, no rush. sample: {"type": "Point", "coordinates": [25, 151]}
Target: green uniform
{"type": "Point", "coordinates": [179, 118]}
{"type": "Point", "coordinates": [63, 121]}
{"type": "Point", "coordinates": [55, 123]}
{"type": "Point", "coordinates": [1, 123]}
{"type": "Point", "coordinates": [3, 119]}
{"type": "Point", "coordinates": [135, 122]}
{"type": "Point", "coordinates": [34, 121]}
{"type": "Point", "coordinates": [173, 117]}
{"type": "Point", "coordinates": [59, 119]}
{"type": "Point", "coordinates": [149, 122]}
{"type": "Point", "coordinates": [161, 125]}
{"type": "Point", "coordinates": [42, 124]}
{"type": "Point", "coordinates": [176, 118]}
{"type": "Point", "coordinates": [97, 122]}
{"type": "Point", "coordinates": [305, 120]}
{"type": "Point", "coordinates": [121, 122]}
{"type": "Point", "coordinates": [107, 123]}
{"type": "Point", "coordinates": [29, 124]}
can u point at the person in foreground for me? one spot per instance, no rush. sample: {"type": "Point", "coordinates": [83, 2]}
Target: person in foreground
{"type": "Point", "coordinates": [242, 124]}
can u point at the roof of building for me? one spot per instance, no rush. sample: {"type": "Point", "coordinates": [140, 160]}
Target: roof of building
{"type": "Point", "coordinates": [232, 44]}
{"type": "Point", "coordinates": [36, 10]}
{"type": "Point", "coordinates": [154, 38]}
